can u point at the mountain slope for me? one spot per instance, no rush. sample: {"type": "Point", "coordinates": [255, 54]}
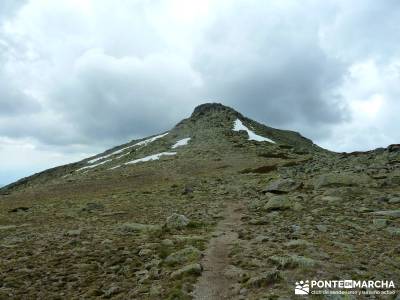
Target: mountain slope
{"type": "Point", "coordinates": [210, 129]}
{"type": "Point", "coordinates": [259, 208]}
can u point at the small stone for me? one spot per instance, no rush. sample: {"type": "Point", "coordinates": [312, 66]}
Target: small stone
{"type": "Point", "coordinates": [297, 207]}
{"type": "Point", "coordinates": [91, 206]}
{"type": "Point", "coordinates": [7, 227]}
{"type": "Point", "coordinates": [388, 213]}
{"type": "Point", "coordinates": [364, 209]}
{"type": "Point", "coordinates": [233, 272]}
{"type": "Point", "coordinates": [322, 228]}
{"type": "Point", "coordinates": [176, 221]}
{"type": "Point", "coordinates": [380, 223]}
{"type": "Point", "coordinates": [298, 243]}
{"type": "Point", "coordinates": [139, 228]}
{"type": "Point", "coordinates": [331, 199]}
{"type": "Point", "coordinates": [189, 238]}
{"type": "Point", "coordinates": [167, 243]}
{"type": "Point", "coordinates": [265, 279]}
{"type": "Point", "coordinates": [192, 269]}
{"type": "Point", "coordinates": [261, 238]}
{"type": "Point", "coordinates": [113, 290]}
{"type": "Point", "coordinates": [19, 209]}
{"type": "Point", "coordinates": [393, 230]}
{"type": "Point", "coordinates": [74, 233]}
{"type": "Point", "coordinates": [145, 252]}
{"type": "Point", "coordinates": [155, 290]}
{"type": "Point", "coordinates": [394, 200]}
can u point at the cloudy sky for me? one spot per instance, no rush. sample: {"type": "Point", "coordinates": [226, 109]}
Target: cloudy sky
{"type": "Point", "coordinates": [79, 76]}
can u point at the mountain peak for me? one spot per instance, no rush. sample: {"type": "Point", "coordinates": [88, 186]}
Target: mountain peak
{"type": "Point", "coordinates": [206, 108]}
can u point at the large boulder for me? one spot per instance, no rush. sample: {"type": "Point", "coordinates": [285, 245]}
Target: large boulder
{"type": "Point", "coordinates": [282, 186]}
{"type": "Point", "coordinates": [176, 221]}
{"type": "Point", "coordinates": [340, 179]}
{"type": "Point", "coordinates": [188, 254]}
{"type": "Point", "coordinates": [278, 203]}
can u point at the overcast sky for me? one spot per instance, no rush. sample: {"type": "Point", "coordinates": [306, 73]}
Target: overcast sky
{"type": "Point", "coordinates": [79, 76]}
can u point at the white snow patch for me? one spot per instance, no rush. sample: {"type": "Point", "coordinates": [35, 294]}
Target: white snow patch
{"type": "Point", "coordinates": [142, 143]}
{"type": "Point", "coordinates": [238, 125]}
{"type": "Point", "coordinates": [150, 157]}
{"type": "Point", "coordinates": [182, 142]}
{"type": "Point", "coordinates": [150, 140]}
{"type": "Point", "coordinates": [113, 168]}
{"type": "Point", "coordinates": [95, 165]}
{"type": "Point", "coordinates": [99, 158]}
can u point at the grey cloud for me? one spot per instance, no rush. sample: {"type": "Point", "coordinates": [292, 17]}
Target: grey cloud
{"type": "Point", "coordinates": [271, 66]}
{"type": "Point", "coordinates": [362, 29]}
{"type": "Point", "coordinates": [13, 102]}
{"type": "Point", "coordinates": [114, 99]}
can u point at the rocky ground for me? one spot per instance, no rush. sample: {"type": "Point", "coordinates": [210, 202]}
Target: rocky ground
{"type": "Point", "coordinates": [238, 220]}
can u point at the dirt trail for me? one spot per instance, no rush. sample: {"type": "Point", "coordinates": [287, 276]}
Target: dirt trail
{"type": "Point", "coordinates": [213, 284]}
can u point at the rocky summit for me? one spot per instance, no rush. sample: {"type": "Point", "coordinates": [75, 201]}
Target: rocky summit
{"type": "Point", "coordinates": [218, 207]}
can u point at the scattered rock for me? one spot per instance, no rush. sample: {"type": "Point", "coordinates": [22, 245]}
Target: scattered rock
{"type": "Point", "coordinates": [322, 228]}
{"type": "Point", "coordinates": [282, 186]}
{"type": "Point", "coordinates": [188, 254]}
{"type": "Point", "coordinates": [259, 221]}
{"type": "Point", "coordinates": [92, 206]}
{"type": "Point", "coordinates": [187, 190]}
{"type": "Point", "coordinates": [293, 261]}
{"type": "Point", "coordinates": [380, 223]}
{"type": "Point", "coordinates": [145, 252]}
{"type": "Point", "coordinates": [176, 221]}
{"type": "Point", "coordinates": [155, 291]}
{"type": "Point", "coordinates": [74, 233]}
{"type": "Point", "coordinates": [388, 213]}
{"type": "Point", "coordinates": [7, 227]}
{"type": "Point", "coordinates": [340, 179]}
{"type": "Point", "coordinates": [298, 243]}
{"type": "Point", "coordinates": [264, 279]}
{"type": "Point", "coordinates": [113, 290]}
{"type": "Point", "coordinates": [236, 273]}
{"type": "Point", "coordinates": [138, 228]}
{"type": "Point", "coordinates": [167, 243]}
{"type": "Point", "coordinates": [278, 203]}
{"type": "Point", "coordinates": [189, 238]}
{"type": "Point", "coordinates": [261, 238]}
{"type": "Point", "coordinates": [331, 199]}
{"type": "Point", "coordinates": [394, 200]}
{"type": "Point", "coordinates": [192, 269]}
{"type": "Point", "coordinates": [393, 230]}
{"type": "Point", "coordinates": [19, 209]}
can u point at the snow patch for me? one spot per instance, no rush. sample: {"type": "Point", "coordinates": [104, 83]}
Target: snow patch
{"type": "Point", "coordinates": [94, 166]}
{"type": "Point", "coordinates": [113, 168]}
{"type": "Point", "coordinates": [182, 142]}
{"type": "Point", "coordinates": [238, 125]}
{"type": "Point", "coordinates": [150, 157]}
{"type": "Point", "coordinates": [142, 143]}
{"type": "Point", "coordinates": [150, 140]}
